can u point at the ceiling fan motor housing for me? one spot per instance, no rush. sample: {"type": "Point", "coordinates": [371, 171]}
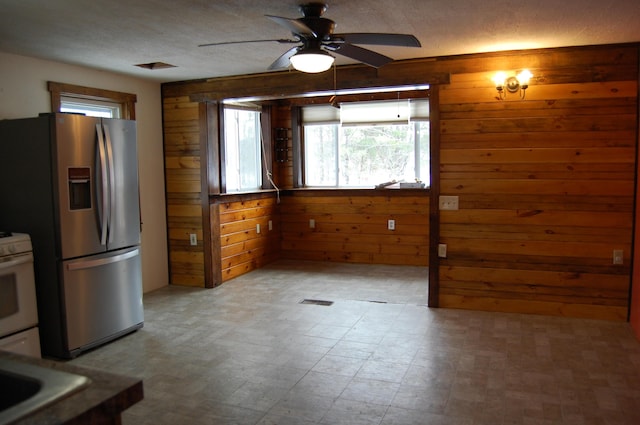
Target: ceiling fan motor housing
{"type": "Point", "coordinates": [322, 27]}
{"type": "Point", "coordinates": [312, 18]}
{"type": "Point", "coordinates": [315, 9]}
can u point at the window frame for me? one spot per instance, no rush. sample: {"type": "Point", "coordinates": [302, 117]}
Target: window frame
{"type": "Point", "coordinates": [215, 133]}
{"type": "Point", "coordinates": [223, 149]}
{"type": "Point", "coordinates": [59, 91]}
{"type": "Point", "coordinates": [300, 172]}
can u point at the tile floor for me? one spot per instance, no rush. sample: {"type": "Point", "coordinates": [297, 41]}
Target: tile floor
{"type": "Point", "coordinates": [248, 352]}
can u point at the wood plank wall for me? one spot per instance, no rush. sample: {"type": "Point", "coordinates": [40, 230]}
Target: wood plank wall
{"type": "Point", "coordinates": [183, 190]}
{"type": "Point", "coordinates": [351, 226]}
{"type": "Point", "coordinates": [634, 313]}
{"type": "Point", "coordinates": [545, 186]}
{"type": "Point", "coordinates": [243, 249]}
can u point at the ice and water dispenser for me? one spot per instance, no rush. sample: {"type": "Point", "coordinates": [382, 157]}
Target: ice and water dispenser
{"type": "Point", "coordinates": [79, 179]}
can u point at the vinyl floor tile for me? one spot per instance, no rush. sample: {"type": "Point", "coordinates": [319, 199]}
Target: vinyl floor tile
{"type": "Point", "coordinates": [248, 353]}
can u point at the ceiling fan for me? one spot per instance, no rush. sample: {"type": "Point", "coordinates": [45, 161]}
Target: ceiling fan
{"type": "Point", "coordinates": [316, 40]}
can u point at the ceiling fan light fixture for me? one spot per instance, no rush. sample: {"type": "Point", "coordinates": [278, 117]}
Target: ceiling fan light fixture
{"type": "Point", "coordinates": [312, 61]}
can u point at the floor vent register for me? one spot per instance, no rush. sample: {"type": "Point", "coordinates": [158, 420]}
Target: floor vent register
{"type": "Point", "coordinates": [316, 302]}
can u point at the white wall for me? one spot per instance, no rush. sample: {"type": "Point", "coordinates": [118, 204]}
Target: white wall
{"type": "Point", "coordinates": [23, 93]}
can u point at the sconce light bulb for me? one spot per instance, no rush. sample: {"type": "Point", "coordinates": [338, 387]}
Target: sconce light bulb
{"type": "Point", "coordinates": [499, 79]}
{"type": "Point", "coordinates": [524, 76]}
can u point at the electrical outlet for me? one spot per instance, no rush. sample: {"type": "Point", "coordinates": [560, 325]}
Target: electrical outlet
{"type": "Point", "coordinates": [193, 239]}
{"type": "Point", "coordinates": [257, 228]}
{"type": "Point", "coordinates": [391, 224]}
{"type": "Point", "coordinates": [618, 256]}
{"type": "Point", "coordinates": [270, 225]}
{"type": "Point", "coordinates": [448, 202]}
{"type": "Point", "coordinates": [312, 223]}
{"type": "Point", "coordinates": [442, 250]}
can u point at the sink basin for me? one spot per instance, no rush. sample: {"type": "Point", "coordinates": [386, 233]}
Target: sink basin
{"type": "Point", "coordinates": [26, 388]}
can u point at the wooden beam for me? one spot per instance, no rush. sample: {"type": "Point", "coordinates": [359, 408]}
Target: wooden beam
{"type": "Point", "coordinates": [204, 198]}
{"type": "Point", "coordinates": [434, 194]}
{"type": "Point", "coordinates": [297, 84]}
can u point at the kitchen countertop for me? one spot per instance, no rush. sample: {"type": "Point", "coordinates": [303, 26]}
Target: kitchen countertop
{"type": "Point", "coordinates": [101, 402]}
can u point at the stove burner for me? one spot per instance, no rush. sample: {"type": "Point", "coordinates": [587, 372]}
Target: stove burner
{"type": "Point", "coordinates": [5, 234]}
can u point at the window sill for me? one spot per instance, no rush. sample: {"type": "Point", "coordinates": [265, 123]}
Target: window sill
{"type": "Point", "coordinates": [387, 191]}
{"type": "Point", "coordinates": [220, 198]}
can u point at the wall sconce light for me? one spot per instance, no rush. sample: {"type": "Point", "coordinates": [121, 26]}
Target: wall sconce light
{"type": "Point", "coordinates": [513, 84]}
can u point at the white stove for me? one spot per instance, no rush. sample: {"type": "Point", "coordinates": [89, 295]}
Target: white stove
{"type": "Point", "coordinates": [18, 306]}
{"type": "Point", "coordinates": [12, 243]}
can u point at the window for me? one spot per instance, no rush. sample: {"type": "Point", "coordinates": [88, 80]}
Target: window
{"type": "Point", "coordinates": [242, 150]}
{"type": "Point", "coordinates": [92, 101]}
{"type": "Point", "coordinates": [363, 144]}
{"type": "Point", "coordinates": [91, 108]}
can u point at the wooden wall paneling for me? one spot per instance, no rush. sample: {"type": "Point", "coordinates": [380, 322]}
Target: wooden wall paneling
{"type": "Point", "coordinates": [537, 179]}
{"type": "Point", "coordinates": [634, 290]}
{"type": "Point", "coordinates": [242, 247]}
{"type": "Point", "coordinates": [545, 185]}
{"type": "Point", "coordinates": [354, 228]}
{"type": "Point", "coordinates": [561, 65]}
{"type": "Point", "coordinates": [182, 149]}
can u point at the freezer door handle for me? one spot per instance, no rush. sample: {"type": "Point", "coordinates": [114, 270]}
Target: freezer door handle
{"type": "Point", "coordinates": [112, 180]}
{"type": "Point", "coordinates": [102, 261]}
{"type": "Point", "coordinates": [104, 193]}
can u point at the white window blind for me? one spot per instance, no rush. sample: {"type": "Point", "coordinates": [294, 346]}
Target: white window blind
{"type": "Point", "coordinates": [320, 114]}
{"type": "Point", "coordinates": [368, 113]}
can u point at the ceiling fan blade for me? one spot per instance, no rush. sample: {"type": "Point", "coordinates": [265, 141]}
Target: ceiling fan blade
{"type": "Point", "coordinates": [278, 40]}
{"type": "Point", "coordinates": [360, 54]}
{"type": "Point", "coordinates": [283, 60]}
{"type": "Point", "coordinates": [293, 25]}
{"type": "Point", "coordinates": [380, 39]}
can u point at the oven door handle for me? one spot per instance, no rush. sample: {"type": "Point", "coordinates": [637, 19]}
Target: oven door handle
{"type": "Point", "coordinates": [13, 261]}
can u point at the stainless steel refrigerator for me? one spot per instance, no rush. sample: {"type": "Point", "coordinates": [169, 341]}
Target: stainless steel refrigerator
{"type": "Point", "coordinates": [71, 182]}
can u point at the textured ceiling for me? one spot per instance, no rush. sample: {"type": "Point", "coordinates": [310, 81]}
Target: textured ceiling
{"type": "Point", "coordinates": [115, 35]}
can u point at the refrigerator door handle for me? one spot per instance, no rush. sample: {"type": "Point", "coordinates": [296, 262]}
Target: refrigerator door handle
{"type": "Point", "coordinates": [102, 261]}
{"type": "Point", "coordinates": [112, 179]}
{"type": "Point", "coordinates": [104, 193]}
